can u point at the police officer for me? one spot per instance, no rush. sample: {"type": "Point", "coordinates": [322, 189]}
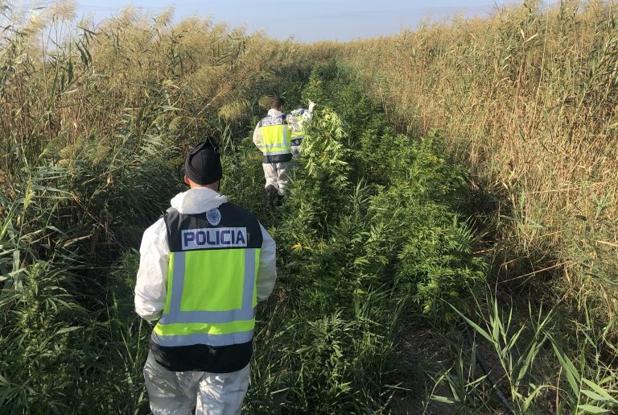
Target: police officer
{"type": "Point", "coordinates": [203, 268]}
{"type": "Point", "coordinates": [298, 120]}
{"type": "Point", "coordinates": [273, 136]}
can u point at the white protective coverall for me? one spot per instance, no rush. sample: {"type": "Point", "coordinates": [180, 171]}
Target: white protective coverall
{"type": "Point", "coordinates": [276, 174]}
{"type": "Point", "coordinates": [180, 392]}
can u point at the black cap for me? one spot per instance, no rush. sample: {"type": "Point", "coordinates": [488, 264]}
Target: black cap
{"type": "Point", "coordinates": [203, 165]}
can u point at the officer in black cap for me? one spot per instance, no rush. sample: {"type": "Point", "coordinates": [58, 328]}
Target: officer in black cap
{"type": "Point", "coordinates": [203, 267]}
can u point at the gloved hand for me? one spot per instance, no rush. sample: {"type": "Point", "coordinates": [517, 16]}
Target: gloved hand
{"type": "Point", "coordinates": [311, 106]}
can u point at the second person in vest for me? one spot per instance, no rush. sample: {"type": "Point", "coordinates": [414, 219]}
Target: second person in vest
{"type": "Point", "coordinates": [298, 120]}
{"type": "Point", "coordinates": [273, 137]}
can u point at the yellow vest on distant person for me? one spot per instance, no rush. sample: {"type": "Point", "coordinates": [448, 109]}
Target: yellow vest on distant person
{"type": "Point", "coordinates": [299, 132]}
{"type": "Point", "coordinates": [276, 139]}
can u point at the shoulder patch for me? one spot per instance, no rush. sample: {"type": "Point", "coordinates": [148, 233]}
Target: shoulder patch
{"type": "Point", "coordinates": [213, 216]}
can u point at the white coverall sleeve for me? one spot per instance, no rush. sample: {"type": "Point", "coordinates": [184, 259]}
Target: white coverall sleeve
{"type": "Point", "coordinates": [311, 107]}
{"type": "Point", "coordinates": [267, 273]}
{"type": "Point", "coordinates": [257, 137]}
{"type": "Point", "coordinates": [151, 276]}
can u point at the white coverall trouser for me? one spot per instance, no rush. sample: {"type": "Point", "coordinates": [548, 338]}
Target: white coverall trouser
{"type": "Point", "coordinates": [179, 393]}
{"type": "Point", "coordinates": [276, 174]}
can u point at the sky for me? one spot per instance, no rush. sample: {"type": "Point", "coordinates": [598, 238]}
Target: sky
{"type": "Point", "coordinates": [306, 20]}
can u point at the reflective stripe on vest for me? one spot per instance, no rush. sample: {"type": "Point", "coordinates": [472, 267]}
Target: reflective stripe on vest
{"type": "Point", "coordinates": [211, 279]}
{"type": "Point", "coordinates": [275, 136]}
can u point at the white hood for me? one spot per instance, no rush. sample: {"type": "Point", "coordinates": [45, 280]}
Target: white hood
{"type": "Point", "coordinates": [197, 200]}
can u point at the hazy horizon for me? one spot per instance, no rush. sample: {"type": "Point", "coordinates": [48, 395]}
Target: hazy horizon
{"type": "Point", "coordinates": [302, 20]}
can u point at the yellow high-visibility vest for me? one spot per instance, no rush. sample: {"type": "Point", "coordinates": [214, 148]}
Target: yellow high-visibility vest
{"type": "Point", "coordinates": [298, 133]}
{"type": "Point", "coordinates": [276, 139]}
{"type": "Point", "coordinates": [211, 280]}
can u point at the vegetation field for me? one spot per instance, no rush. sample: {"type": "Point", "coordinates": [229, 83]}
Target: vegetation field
{"type": "Point", "coordinates": [448, 244]}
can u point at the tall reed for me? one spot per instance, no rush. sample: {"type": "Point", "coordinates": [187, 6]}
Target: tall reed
{"type": "Point", "coordinates": [528, 99]}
